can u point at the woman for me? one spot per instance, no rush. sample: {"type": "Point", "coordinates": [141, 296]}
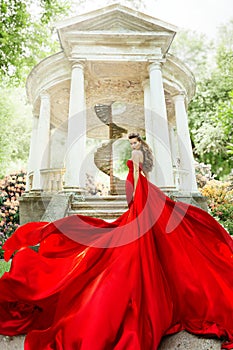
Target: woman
{"type": "Point", "coordinates": [142, 160]}
{"type": "Point", "coordinates": [160, 268]}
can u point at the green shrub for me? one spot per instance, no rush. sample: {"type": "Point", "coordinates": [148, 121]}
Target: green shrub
{"type": "Point", "coordinates": [220, 202]}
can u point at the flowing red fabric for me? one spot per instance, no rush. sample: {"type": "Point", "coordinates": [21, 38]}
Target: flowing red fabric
{"type": "Point", "coordinates": [160, 268]}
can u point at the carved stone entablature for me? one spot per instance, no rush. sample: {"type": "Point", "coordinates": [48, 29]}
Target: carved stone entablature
{"type": "Point", "coordinates": [115, 32]}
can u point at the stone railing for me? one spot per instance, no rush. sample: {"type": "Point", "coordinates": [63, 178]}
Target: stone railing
{"type": "Point", "coordinates": [178, 175]}
{"type": "Point", "coordinates": [52, 180]}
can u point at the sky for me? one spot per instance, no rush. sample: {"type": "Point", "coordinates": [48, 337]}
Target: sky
{"type": "Point", "coordinates": [204, 16]}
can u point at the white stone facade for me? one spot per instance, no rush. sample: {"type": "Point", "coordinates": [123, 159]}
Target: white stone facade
{"type": "Point", "coordinates": [111, 54]}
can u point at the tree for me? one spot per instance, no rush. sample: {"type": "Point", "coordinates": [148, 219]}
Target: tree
{"type": "Point", "coordinates": [15, 125]}
{"type": "Point", "coordinates": [195, 50]}
{"type": "Point", "coordinates": [25, 38]}
{"type": "Point", "coordinates": [211, 110]}
{"type": "Point", "coordinates": [25, 35]}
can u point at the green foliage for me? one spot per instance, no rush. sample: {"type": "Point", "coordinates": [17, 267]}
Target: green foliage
{"type": "Point", "coordinates": [25, 38]}
{"type": "Point", "coordinates": [15, 121]}
{"type": "Point", "coordinates": [25, 35]}
{"type": "Point", "coordinates": [195, 50]}
{"type": "Point", "coordinates": [4, 267]}
{"type": "Point", "coordinates": [220, 202]}
{"type": "Point", "coordinates": [13, 30]}
{"type": "Point", "coordinates": [211, 112]}
{"type": "Point", "coordinates": [224, 212]}
{"type": "Point", "coordinates": [122, 152]}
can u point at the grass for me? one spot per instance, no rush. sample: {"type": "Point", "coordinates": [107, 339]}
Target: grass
{"type": "Point", "coordinates": [4, 266]}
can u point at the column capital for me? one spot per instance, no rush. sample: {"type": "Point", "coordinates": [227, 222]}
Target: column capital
{"type": "Point", "coordinates": [155, 65]}
{"type": "Point", "coordinates": [77, 64]}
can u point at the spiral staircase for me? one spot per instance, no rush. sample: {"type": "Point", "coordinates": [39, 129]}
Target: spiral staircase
{"type": "Point", "coordinates": [106, 207]}
{"type": "Point", "coordinates": [103, 157]}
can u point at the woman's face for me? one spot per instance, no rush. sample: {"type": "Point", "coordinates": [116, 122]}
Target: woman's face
{"type": "Point", "coordinates": [134, 143]}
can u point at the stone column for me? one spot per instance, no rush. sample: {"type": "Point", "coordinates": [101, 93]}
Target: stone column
{"type": "Point", "coordinates": [32, 152]}
{"type": "Point", "coordinates": [188, 178]}
{"type": "Point", "coordinates": [42, 141]}
{"type": "Point", "coordinates": [163, 162]}
{"type": "Point", "coordinates": [174, 154]}
{"type": "Point", "coordinates": [76, 137]}
{"type": "Point", "coordinates": [149, 123]}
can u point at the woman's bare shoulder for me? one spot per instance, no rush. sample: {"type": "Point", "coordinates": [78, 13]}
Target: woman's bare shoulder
{"type": "Point", "coordinates": [137, 155]}
{"type": "Point", "coordinates": [137, 152]}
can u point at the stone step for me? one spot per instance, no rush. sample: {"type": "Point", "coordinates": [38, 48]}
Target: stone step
{"type": "Point", "coordinates": [97, 213]}
{"type": "Point", "coordinates": [110, 198]}
{"type": "Point", "coordinates": [98, 205]}
{"type": "Point", "coordinates": [104, 207]}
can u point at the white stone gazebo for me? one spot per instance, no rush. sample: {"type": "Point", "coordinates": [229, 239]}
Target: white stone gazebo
{"type": "Point", "coordinates": [110, 54]}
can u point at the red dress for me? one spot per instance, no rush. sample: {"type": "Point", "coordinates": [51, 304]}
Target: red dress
{"type": "Point", "coordinates": [160, 268]}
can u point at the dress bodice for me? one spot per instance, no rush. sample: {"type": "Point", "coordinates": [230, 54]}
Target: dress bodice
{"type": "Point", "coordinates": [129, 184]}
{"type": "Point", "coordinates": [129, 164]}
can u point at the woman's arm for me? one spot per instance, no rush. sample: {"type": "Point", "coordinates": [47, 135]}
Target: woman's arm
{"type": "Point", "coordinates": [136, 158]}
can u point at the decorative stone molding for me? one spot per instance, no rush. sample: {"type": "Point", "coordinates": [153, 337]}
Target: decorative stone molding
{"type": "Point", "coordinates": [119, 25]}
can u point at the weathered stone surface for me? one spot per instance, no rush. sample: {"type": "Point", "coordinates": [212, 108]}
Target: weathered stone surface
{"type": "Point", "coordinates": [11, 343]}
{"type": "Point", "coordinates": [187, 341]}
{"type": "Point", "coordinates": [57, 207]}
{"type": "Point", "coordinates": [179, 341]}
{"type": "Point", "coordinates": [32, 207]}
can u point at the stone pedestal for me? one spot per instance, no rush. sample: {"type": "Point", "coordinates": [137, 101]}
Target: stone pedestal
{"type": "Point", "coordinates": [32, 207]}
